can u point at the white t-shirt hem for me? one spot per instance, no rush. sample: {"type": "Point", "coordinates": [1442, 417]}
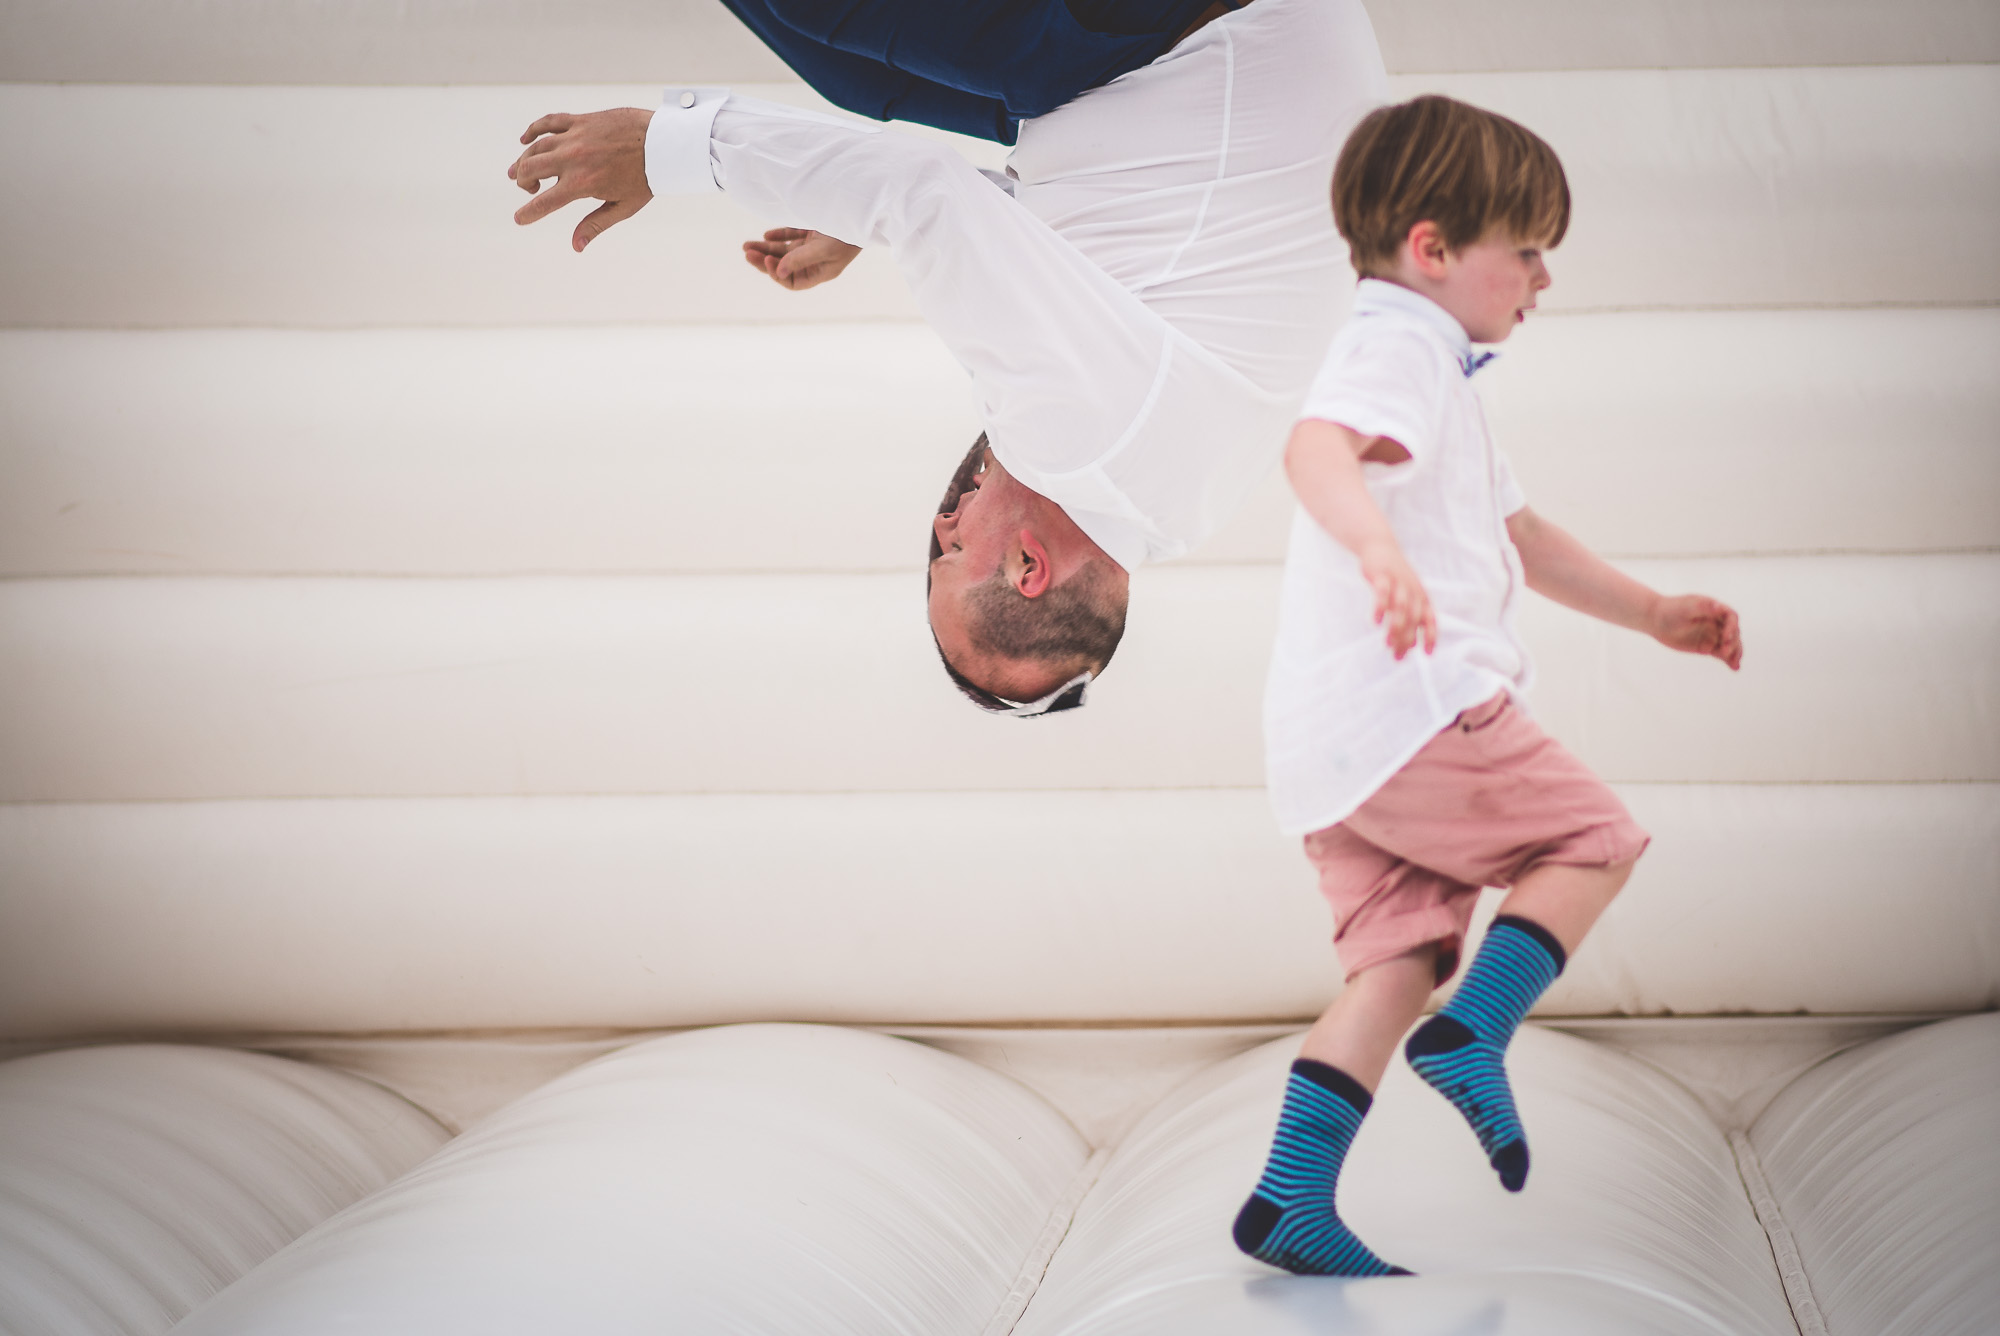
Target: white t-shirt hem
{"type": "Point", "coordinates": [1477, 690]}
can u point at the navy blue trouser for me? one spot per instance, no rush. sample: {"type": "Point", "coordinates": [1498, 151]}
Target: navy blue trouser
{"type": "Point", "coordinates": [979, 67]}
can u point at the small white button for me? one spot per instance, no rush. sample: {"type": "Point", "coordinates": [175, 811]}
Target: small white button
{"type": "Point", "coordinates": [687, 99]}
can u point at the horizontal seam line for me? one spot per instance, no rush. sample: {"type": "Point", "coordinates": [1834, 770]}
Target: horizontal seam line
{"type": "Point", "coordinates": [794, 322]}
{"type": "Point", "coordinates": [921, 793]}
{"type": "Point", "coordinates": [781, 572]}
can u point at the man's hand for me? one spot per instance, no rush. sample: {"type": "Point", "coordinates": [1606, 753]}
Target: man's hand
{"type": "Point", "coordinates": [1400, 598]}
{"type": "Point", "coordinates": [599, 155]}
{"type": "Point", "coordinates": [798, 259]}
{"type": "Point", "coordinates": [1695, 624]}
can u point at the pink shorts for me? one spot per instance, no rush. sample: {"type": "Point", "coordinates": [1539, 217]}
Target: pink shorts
{"type": "Point", "coordinates": [1486, 800]}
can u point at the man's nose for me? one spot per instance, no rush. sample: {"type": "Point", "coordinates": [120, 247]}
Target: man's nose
{"type": "Point", "coordinates": [944, 526]}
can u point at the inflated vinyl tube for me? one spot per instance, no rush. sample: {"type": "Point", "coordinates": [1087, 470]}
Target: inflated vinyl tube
{"type": "Point", "coordinates": [1884, 1167]}
{"type": "Point", "coordinates": [136, 1181]}
{"type": "Point", "coordinates": [1633, 1219]}
{"type": "Point", "coordinates": [782, 1180]}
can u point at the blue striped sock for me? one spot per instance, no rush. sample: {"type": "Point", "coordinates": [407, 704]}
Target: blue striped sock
{"type": "Point", "coordinates": [1289, 1220]}
{"type": "Point", "coordinates": [1462, 1050]}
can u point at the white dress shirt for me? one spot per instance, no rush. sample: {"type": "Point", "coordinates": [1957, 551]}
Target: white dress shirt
{"type": "Point", "coordinates": [1141, 316]}
{"type": "Point", "coordinates": [1341, 715]}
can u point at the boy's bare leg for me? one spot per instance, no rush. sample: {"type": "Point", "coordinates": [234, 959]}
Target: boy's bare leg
{"type": "Point", "coordinates": [1462, 1050]}
{"type": "Point", "coordinates": [1360, 1031]}
{"type": "Point", "coordinates": [1290, 1220]}
{"type": "Point", "coordinates": [1567, 900]}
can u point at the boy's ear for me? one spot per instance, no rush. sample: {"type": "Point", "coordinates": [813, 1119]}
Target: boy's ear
{"type": "Point", "coordinates": [1424, 249]}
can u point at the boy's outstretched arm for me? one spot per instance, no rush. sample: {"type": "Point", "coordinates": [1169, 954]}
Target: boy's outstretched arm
{"type": "Point", "coordinates": [1563, 569]}
{"type": "Point", "coordinates": [1323, 462]}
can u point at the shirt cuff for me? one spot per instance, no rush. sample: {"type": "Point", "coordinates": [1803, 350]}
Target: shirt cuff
{"type": "Point", "coordinates": [677, 161]}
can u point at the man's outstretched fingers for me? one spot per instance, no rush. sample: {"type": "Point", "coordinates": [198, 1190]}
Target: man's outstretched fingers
{"type": "Point", "coordinates": [542, 205]}
{"type": "Point", "coordinates": [552, 124]}
{"type": "Point", "coordinates": [599, 218]}
{"type": "Point", "coordinates": [534, 166]}
{"type": "Point", "coordinates": [598, 156]}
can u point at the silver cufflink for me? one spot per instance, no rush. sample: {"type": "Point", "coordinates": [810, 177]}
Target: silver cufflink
{"type": "Point", "coordinates": [687, 99]}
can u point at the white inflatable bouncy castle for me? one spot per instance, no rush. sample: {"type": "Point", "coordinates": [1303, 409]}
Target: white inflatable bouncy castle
{"type": "Point", "coordinates": [486, 846]}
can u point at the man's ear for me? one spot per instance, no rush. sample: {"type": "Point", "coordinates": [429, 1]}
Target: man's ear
{"type": "Point", "coordinates": [1035, 575]}
{"type": "Point", "coordinates": [1425, 250]}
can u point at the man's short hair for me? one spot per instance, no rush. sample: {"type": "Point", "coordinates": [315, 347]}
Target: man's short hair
{"type": "Point", "coordinates": [1435, 158]}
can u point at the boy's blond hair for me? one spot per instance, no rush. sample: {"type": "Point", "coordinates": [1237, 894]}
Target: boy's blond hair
{"type": "Point", "coordinates": [1435, 158]}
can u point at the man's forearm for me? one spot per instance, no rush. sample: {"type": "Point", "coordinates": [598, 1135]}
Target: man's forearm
{"type": "Point", "coordinates": [1561, 568]}
{"type": "Point", "coordinates": [1061, 356]}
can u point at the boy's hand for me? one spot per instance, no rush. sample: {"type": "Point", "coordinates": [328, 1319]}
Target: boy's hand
{"type": "Point", "coordinates": [1698, 625]}
{"type": "Point", "coordinates": [798, 259]}
{"type": "Point", "coordinates": [1400, 600]}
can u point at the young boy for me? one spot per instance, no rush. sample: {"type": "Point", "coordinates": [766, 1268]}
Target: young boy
{"type": "Point", "coordinates": [1417, 778]}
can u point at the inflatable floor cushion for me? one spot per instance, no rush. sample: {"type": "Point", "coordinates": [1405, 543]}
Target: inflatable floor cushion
{"type": "Point", "coordinates": [780, 1179]}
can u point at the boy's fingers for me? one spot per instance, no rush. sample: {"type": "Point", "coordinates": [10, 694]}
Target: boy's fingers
{"type": "Point", "coordinates": [1402, 633]}
{"type": "Point", "coordinates": [1720, 637]}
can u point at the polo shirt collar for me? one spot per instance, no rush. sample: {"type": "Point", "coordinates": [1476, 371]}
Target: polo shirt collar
{"type": "Point", "coordinates": [1378, 297]}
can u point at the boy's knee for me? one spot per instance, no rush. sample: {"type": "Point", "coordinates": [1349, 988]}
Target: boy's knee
{"type": "Point", "coordinates": [1620, 873]}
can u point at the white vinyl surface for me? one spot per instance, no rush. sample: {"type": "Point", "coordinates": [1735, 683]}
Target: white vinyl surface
{"type": "Point", "coordinates": [467, 452]}
{"type": "Point", "coordinates": [762, 1180]}
{"type": "Point", "coordinates": [118, 689]}
{"type": "Point", "coordinates": [1883, 1161]}
{"type": "Point", "coordinates": [1693, 188]}
{"type": "Point", "coordinates": [456, 914]}
{"type": "Point", "coordinates": [136, 1182]}
{"type": "Point", "coordinates": [774, 1179]}
{"type": "Point", "coordinates": [1633, 1219]}
{"type": "Point", "coordinates": [410, 628]}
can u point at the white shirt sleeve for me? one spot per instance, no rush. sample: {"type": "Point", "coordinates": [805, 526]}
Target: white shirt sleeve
{"type": "Point", "coordinates": [1062, 358]}
{"type": "Point", "coordinates": [1384, 385]}
{"type": "Point", "coordinates": [1512, 499]}
{"type": "Point", "coordinates": [677, 161]}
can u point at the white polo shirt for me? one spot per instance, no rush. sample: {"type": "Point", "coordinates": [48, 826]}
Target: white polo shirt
{"type": "Point", "coordinates": [1341, 715]}
{"type": "Point", "coordinates": [1143, 312]}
